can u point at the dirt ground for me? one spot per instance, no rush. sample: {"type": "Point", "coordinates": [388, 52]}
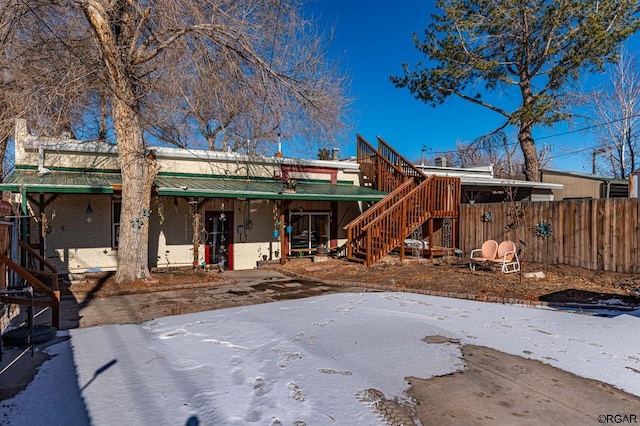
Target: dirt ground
{"type": "Point", "coordinates": [560, 284]}
{"type": "Point", "coordinates": [103, 284]}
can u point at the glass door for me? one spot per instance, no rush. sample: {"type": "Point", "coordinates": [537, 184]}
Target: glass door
{"type": "Point", "coordinates": [309, 230]}
{"type": "Point", "coordinates": [218, 227]}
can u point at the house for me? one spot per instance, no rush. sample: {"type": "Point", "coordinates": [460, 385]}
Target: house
{"type": "Point", "coordinates": [479, 185]}
{"type": "Point", "coordinates": [582, 185]}
{"type": "Point", "coordinates": [207, 207]}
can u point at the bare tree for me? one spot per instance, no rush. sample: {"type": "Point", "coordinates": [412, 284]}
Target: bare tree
{"type": "Point", "coordinates": [617, 108]}
{"type": "Point", "coordinates": [124, 59]}
{"type": "Point", "coordinates": [43, 78]}
{"type": "Point", "coordinates": [253, 113]}
{"type": "Point", "coordinates": [491, 149]}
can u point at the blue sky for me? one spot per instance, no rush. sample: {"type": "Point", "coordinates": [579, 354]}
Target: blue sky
{"type": "Point", "coordinates": [372, 40]}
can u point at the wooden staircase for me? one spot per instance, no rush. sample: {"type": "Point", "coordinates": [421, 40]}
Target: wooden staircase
{"type": "Point", "coordinates": [46, 291]}
{"type": "Point", "coordinates": [414, 198]}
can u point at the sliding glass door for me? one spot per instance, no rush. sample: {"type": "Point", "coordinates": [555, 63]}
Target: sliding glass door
{"type": "Point", "coordinates": [309, 229]}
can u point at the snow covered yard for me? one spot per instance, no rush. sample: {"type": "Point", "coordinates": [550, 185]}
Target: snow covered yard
{"type": "Point", "coordinates": [322, 360]}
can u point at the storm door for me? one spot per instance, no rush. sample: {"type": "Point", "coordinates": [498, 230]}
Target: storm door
{"type": "Point", "coordinates": [219, 245]}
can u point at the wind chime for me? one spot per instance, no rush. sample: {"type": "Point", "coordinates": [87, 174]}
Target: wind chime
{"type": "Point", "coordinates": [45, 229]}
{"type": "Point", "coordinates": [196, 227]}
{"type": "Point", "coordinates": [160, 210]}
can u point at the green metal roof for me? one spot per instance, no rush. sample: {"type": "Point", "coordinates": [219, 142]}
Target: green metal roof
{"type": "Point", "coordinates": [189, 186]}
{"type": "Point", "coordinates": [61, 182]}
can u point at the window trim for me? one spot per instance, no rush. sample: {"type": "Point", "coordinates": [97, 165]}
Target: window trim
{"type": "Point", "coordinates": [115, 222]}
{"type": "Point", "coordinates": [309, 214]}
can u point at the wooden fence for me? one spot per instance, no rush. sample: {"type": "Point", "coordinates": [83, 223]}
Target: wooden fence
{"type": "Point", "coordinates": [598, 234]}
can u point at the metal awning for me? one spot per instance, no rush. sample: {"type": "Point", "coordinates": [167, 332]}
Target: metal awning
{"type": "Point", "coordinates": [61, 182]}
{"type": "Point", "coordinates": [67, 182]}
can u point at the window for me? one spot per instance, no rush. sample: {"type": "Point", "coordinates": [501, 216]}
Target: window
{"type": "Point", "coordinates": [309, 230]}
{"type": "Point", "coordinates": [116, 206]}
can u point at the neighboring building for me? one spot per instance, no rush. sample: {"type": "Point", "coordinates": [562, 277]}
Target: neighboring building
{"type": "Point", "coordinates": [582, 185]}
{"type": "Point", "coordinates": [478, 185]}
{"type": "Point", "coordinates": [207, 207]}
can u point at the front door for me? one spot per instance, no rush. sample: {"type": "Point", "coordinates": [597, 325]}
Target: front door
{"type": "Point", "coordinates": [219, 245]}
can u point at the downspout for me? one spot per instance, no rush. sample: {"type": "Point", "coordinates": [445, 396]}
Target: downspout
{"type": "Point", "coordinates": [42, 170]}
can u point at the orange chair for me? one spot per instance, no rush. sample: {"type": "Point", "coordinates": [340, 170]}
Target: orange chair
{"type": "Point", "coordinates": [485, 254]}
{"type": "Point", "coordinates": [507, 257]}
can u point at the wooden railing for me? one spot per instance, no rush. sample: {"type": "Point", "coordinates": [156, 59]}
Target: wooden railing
{"type": "Point", "coordinates": [355, 236]}
{"type": "Point", "coordinates": [407, 168]}
{"type": "Point", "coordinates": [413, 199]}
{"type": "Point", "coordinates": [47, 269]}
{"type": "Point", "coordinates": [390, 228]}
{"type": "Point", "coordinates": [53, 296]}
{"type": "Point", "coordinates": [444, 199]}
{"type": "Point", "coordinates": [383, 175]}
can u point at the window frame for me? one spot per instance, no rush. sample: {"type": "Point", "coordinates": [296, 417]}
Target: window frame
{"type": "Point", "coordinates": [116, 209]}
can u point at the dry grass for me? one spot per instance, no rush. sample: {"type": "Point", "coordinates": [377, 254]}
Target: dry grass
{"type": "Point", "coordinates": [561, 283]}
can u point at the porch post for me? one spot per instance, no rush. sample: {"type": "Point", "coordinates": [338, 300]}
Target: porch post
{"type": "Point", "coordinates": [283, 241]}
{"type": "Point", "coordinates": [41, 227]}
{"type": "Point", "coordinates": [24, 224]}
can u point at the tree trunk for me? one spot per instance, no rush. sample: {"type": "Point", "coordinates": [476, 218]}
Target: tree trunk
{"type": "Point", "coordinates": [525, 138]}
{"type": "Point", "coordinates": [138, 170]}
{"type": "Point", "coordinates": [136, 167]}
{"type": "Point", "coordinates": [531, 161]}
{"type": "Point", "coordinates": [3, 151]}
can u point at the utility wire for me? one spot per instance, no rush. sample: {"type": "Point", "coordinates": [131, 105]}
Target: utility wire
{"type": "Point", "coordinates": [555, 135]}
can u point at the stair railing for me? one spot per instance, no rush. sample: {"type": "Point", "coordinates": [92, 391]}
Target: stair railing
{"type": "Point", "coordinates": [384, 175]}
{"type": "Point", "coordinates": [444, 200]}
{"type": "Point", "coordinates": [391, 226]}
{"type": "Point", "coordinates": [53, 295]}
{"type": "Point", "coordinates": [355, 237]}
{"type": "Point", "coordinates": [47, 269]}
{"type": "Point", "coordinates": [385, 225]}
{"type": "Point", "coordinates": [408, 169]}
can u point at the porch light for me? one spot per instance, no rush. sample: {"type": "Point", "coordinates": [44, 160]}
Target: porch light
{"type": "Point", "coordinates": [89, 212]}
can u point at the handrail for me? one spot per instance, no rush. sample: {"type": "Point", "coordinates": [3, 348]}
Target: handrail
{"type": "Point", "coordinates": [34, 282]}
{"type": "Point", "coordinates": [26, 275]}
{"type": "Point", "coordinates": [43, 261]}
{"type": "Point", "coordinates": [354, 228]}
{"type": "Point", "coordinates": [414, 198]}
{"type": "Point", "coordinates": [412, 210]}
{"type": "Point", "coordinates": [387, 176]}
{"type": "Point", "coordinates": [445, 197]}
{"type": "Point", "coordinates": [385, 203]}
{"type": "Point", "coordinates": [401, 162]}
{"type": "Point", "coordinates": [423, 189]}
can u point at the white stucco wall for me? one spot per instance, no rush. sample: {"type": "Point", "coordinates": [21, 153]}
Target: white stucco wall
{"type": "Point", "coordinates": [69, 153]}
{"type": "Point", "coordinates": [75, 244]}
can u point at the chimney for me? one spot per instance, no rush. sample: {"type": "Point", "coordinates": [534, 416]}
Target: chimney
{"type": "Point", "coordinates": [334, 153]}
{"type": "Point", "coordinates": [441, 162]}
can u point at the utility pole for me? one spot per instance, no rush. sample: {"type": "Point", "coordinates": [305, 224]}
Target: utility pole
{"type": "Point", "coordinates": [595, 153]}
